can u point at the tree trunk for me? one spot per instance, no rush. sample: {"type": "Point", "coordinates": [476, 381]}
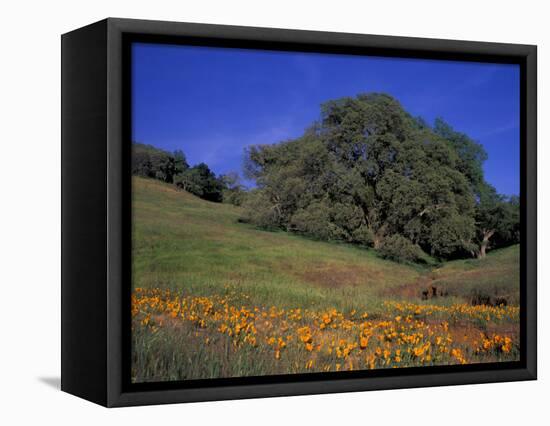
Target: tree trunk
{"type": "Point", "coordinates": [379, 237]}
{"type": "Point", "coordinates": [484, 243]}
{"type": "Point", "coordinates": [483, 249]}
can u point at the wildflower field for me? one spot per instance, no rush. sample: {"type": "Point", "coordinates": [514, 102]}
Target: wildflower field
{"type": "Point", "coordinates": [215, 298]}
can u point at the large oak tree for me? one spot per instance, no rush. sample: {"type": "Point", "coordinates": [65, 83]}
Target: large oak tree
{"type": "Point", "coordinates": [368, 171]}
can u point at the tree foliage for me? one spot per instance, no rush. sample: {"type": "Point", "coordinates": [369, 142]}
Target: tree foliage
{"type": "Point", "coordinates": [369, 172]}
{"type": "Point", "coordinates": [234, 192]}
{"type": "Point", "coordinates": [497, 219]}
{"type": "Point", "coordinates": [471, 154]}
{"type": "Point", "coordinates": [400, 249]}
{"type": "Point", "coordinates": [202, 182]}
{"type": "Point", "coordinates": [151, 162]}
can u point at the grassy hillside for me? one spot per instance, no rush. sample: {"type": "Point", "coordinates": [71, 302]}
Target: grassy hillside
{"type": "Point", "coordinates": [496, 276]}
{"type": "Point", "coordinates": [217, 298]}
{"type": "Point", "coordinates": [183, 242]}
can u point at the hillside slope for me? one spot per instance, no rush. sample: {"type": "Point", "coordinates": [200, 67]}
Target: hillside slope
{"type": "Point", "coordinates": [183, 242]}
{"type": "Point", "coordinates": [495, 277]}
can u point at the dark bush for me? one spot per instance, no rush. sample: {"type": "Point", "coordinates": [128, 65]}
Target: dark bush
{"type": "Point", "coordinates": [151, 162]}
{"type": "Point", "coordinates": [363, 235]}
{"type": "Point", "coordinates": [202, 182]}
{"type": "Point", "coordinates": [312, 221]}
{"type": "Point", "coordinates": [258, 211]}
{"type": "Point", "coordinates": [399, 249]}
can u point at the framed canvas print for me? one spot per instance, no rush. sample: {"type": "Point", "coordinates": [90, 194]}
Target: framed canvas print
{"type": "Point", "coordinates": [251, 212]}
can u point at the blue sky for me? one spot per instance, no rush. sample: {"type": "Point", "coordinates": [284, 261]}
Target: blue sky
{"type": "Point", "coordinates": [213, 102]}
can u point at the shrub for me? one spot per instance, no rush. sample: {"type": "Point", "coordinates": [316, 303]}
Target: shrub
{"type": "Point", "coordinates": [258, 211]}
{"type": "Point", "coordinates": [202, 182]}
{"type": "Point", "coordinates": [450, 235]}
{"type": "Point", "coordinates": [363, 235]}
{"type": "Point", "coordinates": [312, 221]}
{"type": "Point", "coordinates": [151, 162]}
{"type": "Point", "coordinates": [234, 196]}
{"type": "Point", "coordinates": [398, 248]}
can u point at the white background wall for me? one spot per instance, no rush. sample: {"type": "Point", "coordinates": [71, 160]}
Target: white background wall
{"type": "Point", "coordinates": [30, 210]}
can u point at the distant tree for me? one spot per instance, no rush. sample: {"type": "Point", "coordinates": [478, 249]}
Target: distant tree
{"type": "Point", "coordinates": [149, 161]}
{"type": "Point", "coordinates": [497, 219]}
{"type": "Point", "coordinates": [152, 162]}
{"type": "Point", "coordinates": [141, 160]}
{"type": "Point", "coordinates": [202, 182]}
{"type": "Point", "coordinates": [496, 216]}
{"type": "Point", "coordinates": [234, 192]}
{"type": "Point", "coordinates": [180, 162]}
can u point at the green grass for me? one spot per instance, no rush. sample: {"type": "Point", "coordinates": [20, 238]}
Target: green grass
{"type": "Point", "coordinates": [495, 276]}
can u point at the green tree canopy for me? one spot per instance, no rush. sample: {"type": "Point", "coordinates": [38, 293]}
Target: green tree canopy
{"type": "Point", "coordinates": [234, 191]}
{"type": "Point", "coordinates": [368, 171]}
{"type": "Point", "coordinates": [497, 219]}
{"type": "Point", "coordinates": [202, 182]}
{"type": "Point", "coordinates": [471, 155]}
{"type": "Point", "coordinates": [148, 161]}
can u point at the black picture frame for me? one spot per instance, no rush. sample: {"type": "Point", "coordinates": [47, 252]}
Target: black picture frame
{"type": "Point", "coordinates": [96, 211]}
